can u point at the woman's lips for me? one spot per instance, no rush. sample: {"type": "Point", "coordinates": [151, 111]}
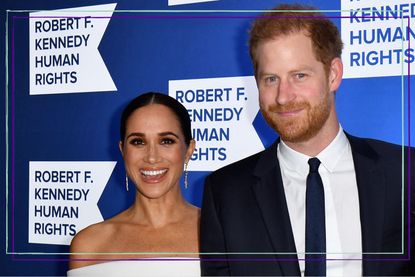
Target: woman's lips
{"type": "Point", "coordinates": [153, 175]}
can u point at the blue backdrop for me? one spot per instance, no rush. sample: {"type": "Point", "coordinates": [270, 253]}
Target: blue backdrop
{"type": "Point", "coordinates": [142, 52]}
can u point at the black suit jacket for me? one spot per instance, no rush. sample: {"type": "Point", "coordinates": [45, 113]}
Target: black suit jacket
{"type": "Point", "coordinates": [246, 229]}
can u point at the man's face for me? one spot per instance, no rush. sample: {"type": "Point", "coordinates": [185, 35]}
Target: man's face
{"type": "Point", "coordinates": [295, 93]}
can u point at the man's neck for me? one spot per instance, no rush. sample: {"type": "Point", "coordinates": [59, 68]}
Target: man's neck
{"type": "Point", "coordinates": [316, 144]}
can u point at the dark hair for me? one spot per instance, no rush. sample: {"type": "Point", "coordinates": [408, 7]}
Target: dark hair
{"type": "Point", "coordinates": [325, 36]}
{"type": "Point", "coordinates": [158, 98]}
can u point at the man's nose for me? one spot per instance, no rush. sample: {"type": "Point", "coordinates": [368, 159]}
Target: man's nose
{"type": "Point", "coordinates": [285, 93]}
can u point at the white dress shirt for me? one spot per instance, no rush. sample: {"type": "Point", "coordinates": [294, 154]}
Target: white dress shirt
{"type": "Point", "coordinates": [343, 231]}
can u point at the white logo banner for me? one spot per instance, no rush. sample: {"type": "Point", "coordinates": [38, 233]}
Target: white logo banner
{"type": "Point", "coordinates": [376, 37]}
{"type": "Point", "coordinates": [222, 111]}
{"type": "Point", "coordinates": [63, 198]}
{"type": "Point", "coordinates": [182, 2]}
{"type": "Point", "coordinates": [64, 56]}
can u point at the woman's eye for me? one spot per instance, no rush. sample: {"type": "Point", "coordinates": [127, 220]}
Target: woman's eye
{"type": "Point", "coordinates": [137, 141]}
{"type": "Point", "coordinates": [167, 141]}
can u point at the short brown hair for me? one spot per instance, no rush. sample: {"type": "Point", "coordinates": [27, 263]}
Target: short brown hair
{"type": "Point", "coordinates": [325, 36]}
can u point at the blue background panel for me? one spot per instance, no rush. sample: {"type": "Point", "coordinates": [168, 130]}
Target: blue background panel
{"type": "Point", "coordinates": [142, 52]}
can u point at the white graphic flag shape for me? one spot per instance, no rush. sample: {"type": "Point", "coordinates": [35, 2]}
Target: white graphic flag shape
{"type": "Point", "coordinates": [183, 2]}
{"type": "Point", "coordinates": [64, 56]}
{"type": "Point", "coordinates": [377, 37]}
{"type": "Point", "coordinates": [222, 111]}
{"type": "Point", "coordinates": [63, 198]}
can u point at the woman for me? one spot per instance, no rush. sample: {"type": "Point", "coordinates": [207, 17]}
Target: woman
{"type": "Point", "coordinates": [156, 144]}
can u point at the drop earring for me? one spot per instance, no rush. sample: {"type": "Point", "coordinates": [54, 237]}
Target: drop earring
{"type": "Point", "coordinates": [186, 173]}
{"type": "Point", "coordinates": [126, 182]}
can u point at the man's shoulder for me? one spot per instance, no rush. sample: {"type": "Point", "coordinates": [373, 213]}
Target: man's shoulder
{"type": "Point", "coordinates": [378, 149]}
{"type": "Point", "coordinates": [246, 167]}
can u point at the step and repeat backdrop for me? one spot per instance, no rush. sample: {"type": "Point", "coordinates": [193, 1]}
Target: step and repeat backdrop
{"type": "Point", "coordinates": [71, 67]}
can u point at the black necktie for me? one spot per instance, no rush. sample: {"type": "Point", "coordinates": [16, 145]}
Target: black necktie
{"type": "Point", "coordinates": [315, 224]}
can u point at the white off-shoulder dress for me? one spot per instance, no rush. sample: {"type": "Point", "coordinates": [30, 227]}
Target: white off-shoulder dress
{"type": "Point", "coordinates": [143, 267]}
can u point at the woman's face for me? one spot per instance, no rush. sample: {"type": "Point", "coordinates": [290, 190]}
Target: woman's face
{"type": "Point", "coordinates": [154, 150]}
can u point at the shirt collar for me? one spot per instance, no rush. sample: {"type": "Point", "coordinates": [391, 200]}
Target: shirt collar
{"type": "Point", "coordinates": [332, 154]}
{"type": "Point", "coordinates": [329, 157]}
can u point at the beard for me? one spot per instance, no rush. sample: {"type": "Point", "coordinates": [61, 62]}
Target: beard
{"type": "Point", "coordinates": [298, 128]}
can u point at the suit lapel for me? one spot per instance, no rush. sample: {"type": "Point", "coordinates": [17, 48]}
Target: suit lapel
{"type": "Point", "coordinates": [269, 192]}
{"type": "Point", "coordinates": [371, 187]}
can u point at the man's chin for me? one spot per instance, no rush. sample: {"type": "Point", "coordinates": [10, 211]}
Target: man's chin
{"type": "Point", "coordinates": [297, 136]}
{"type": "Point", "coordinates": [292, 132]}
{"type": "Point", "coordinates": [293, 138]}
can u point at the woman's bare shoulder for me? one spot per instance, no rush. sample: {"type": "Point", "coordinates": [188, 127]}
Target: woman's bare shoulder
{"type": "Point", "coordinates": [87, 237]}
{"type": "Point", "coordinates": [88, 244]}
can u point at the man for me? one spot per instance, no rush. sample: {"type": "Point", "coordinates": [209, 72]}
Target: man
{"type": "Point", "coordinates": [318, 201]}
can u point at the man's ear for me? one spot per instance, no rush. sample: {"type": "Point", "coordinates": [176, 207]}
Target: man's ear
{"type": "Point", "coordinates": [335, 74]}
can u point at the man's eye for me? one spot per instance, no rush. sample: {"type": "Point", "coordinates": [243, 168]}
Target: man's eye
{"type": "Point", "coordinates": [300, 76]}
{"type": "Point", "coordinates": [270, 79]}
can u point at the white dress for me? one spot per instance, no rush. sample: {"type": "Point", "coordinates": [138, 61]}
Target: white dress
{"type": "Point", "coordinates": [146, 267]}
